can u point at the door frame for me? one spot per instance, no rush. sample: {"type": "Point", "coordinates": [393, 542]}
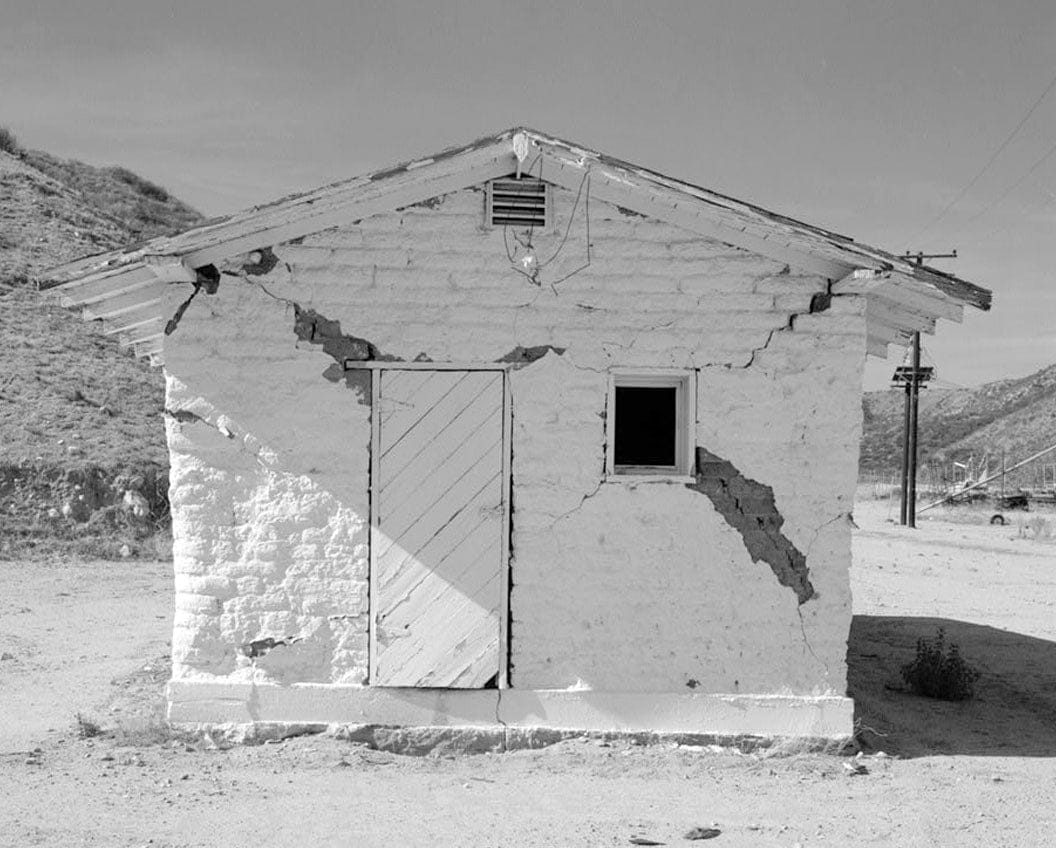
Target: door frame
{"type": "Point", "coordinates": [375, 440]}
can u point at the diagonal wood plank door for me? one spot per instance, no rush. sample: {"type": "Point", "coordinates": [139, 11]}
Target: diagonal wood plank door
{"type": "Point", "coordinates": [436, 550]}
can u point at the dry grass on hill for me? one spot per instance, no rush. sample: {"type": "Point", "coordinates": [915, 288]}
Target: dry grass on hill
{"type": "Point", "coordinates": [79, 417]}
{"type": "Point", "coordinates": [1016, 415]}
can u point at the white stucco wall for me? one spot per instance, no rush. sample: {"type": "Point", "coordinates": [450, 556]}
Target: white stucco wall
{"type": "Point", "coordinates": [615, 587]}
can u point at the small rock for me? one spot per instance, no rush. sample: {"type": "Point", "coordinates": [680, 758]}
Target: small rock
{"type": "Point", "coordinates": [997, 779]}
{"type": "Point", "coordinates": [643, 840]}
{"type": "Point", "coordinates": [702, 833]}
{"type": "Point", "coordinates": [6, 656]}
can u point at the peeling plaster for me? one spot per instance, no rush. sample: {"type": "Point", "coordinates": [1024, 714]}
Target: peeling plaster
{"type": "Point", "coordinates": [260, 647]}
{"type": "Point", "coordinates": [749, 508]}
{"type": "Point", "coordinates": [431, 203]}
{"type": "Point", "coordinates": [185, 416]}
{"type": "Point", "coordinates": [264, 265]}
{"type": "Point", "coordinates": [527, 355]}
{"type": "Point", "coordinates": [820, 302]}
{"type": "Point", "coordinates": [310, 326]}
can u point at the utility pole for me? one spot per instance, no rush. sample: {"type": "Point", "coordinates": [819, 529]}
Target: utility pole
{"type": "Point", "coordinates": [913, 378]}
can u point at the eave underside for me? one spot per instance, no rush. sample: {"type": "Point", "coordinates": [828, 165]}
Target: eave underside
{"type": "Point", "coordinates": [124, 288]}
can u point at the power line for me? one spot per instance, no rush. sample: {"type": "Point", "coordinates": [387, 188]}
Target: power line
{"type": "Point", "coordinates": [1009, 190]}
{"type": "Point", "coordinates": [993, 156]}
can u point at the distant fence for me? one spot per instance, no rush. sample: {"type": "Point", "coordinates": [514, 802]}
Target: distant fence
{"type": "Point", "coordinates": [934, 478]}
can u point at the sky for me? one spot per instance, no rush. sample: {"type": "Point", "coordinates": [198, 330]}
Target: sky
{"type": "Point", "coordinates": [878, 120]}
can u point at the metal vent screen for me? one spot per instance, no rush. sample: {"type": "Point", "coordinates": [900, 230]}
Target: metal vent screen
{"type": "Point", "coordinates": [518, 203]}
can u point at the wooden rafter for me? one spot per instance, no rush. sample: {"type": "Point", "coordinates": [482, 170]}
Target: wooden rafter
{"type": "Point", "coordinates": [128, 302]}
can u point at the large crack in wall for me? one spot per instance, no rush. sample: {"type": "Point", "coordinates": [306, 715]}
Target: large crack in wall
{"type": "Point", "coordinates": [310, 326]}
{"type": "Point", "coordinates": [749, 508]}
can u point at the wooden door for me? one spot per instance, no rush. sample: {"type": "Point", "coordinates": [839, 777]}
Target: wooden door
{"type": "Point", "coordinates": [439, 521]}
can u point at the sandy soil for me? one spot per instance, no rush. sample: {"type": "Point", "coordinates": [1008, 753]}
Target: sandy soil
{"type": "Point", "coordinates": [90, 638]}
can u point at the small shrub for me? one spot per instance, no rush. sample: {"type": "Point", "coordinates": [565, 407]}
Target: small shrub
{"type": "Point", "coordinates": [939, 671]}
{"type": "Point", "coordinates": [86, 728]}
{"type": "Point", "coordinates": [144, 732]}
{"type": "Point", "coordinates": [1039, 527]}
{"type": "Point", "coordinates": [8, 142]}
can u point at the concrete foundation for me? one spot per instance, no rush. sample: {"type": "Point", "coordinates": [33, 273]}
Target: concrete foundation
{"type": "Point", "coordinates": [721, 716]}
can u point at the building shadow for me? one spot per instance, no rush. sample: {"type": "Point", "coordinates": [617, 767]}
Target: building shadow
{"type": "Point", "coordinates": [1013, 712]}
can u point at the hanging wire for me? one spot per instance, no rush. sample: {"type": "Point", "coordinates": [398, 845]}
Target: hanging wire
{"type": "Point", "coordinates": [1037, 208]}
{"type": "Point", "coordinates": [571, 218]}
{"type": "Point", "coordinates": [582, 193]}
{"type": "Point", "coordinates": [586, 212]}
{"type": "Point", "coordinates": [1009, 190]}
{"type": "Point", "coordinates": [510, 255]}
{"type": "Point", "coordinates": [990, 161]}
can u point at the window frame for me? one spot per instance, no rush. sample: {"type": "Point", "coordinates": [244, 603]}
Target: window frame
{"type": "Point", "coordinates": [685, 382]}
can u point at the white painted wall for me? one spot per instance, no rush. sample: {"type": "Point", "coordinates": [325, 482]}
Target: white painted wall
{"type": "Point", "coordinates": [616, 587]}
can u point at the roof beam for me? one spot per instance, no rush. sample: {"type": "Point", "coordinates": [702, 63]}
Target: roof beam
{"type": "Point", "coordinates": [171, 269]}
{"type": "Point", "coordinates": [419, 186]}
{"type": "Point", "coordinates": [134, 300]}
{"type": "Point", "coordinates": [131, 319]}
{"type": "Point", "coordinates": [667, 205]}
{"type": "Point", "coordinates": [894, 315]}
{"type": "Point", "coordinates": [103, 284]}
{"type": "Point", "coordinates": [887, 333]}
{"type": "Point", "coordinates": [103, 290]}
{"type": "Point", "coordinates": [902, 290]}
{"type": "Point", "coordinates": [876, 347]}
{"type": "Point", "coordinates": [140, 340]}
{"type": "Point", "coordinates": [140, 334]}
{"type": "Point", "coordinates": [150, 348]}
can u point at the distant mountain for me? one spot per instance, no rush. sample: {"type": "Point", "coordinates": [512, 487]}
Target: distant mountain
{"type": "Point", "coordinates": [1016, 416]}
{"type": "Point", "coordinates": [76, 411]}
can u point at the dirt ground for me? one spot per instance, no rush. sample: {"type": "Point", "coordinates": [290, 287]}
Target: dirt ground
{"type": "Point", "coordinates": [92, 638]}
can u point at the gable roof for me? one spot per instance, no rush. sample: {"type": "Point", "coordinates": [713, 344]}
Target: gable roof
{"type": "Point", "coordinates": [124, 287]}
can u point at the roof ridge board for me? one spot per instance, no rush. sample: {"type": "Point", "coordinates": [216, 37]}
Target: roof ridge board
{"type": "Point", "coordinates": [101, 261]}
{"type": "Point", "coordinates": [733, 214]}
{"type": "Point", "coordinates": [703, 193]}
{"type": "Point", "coordinates": [433, 183]}
{"type": "Point", "coordinates": [940, 280]}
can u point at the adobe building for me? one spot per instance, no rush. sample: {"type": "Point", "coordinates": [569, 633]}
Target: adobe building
{"type": "Point", "coordinates": [517, 436]}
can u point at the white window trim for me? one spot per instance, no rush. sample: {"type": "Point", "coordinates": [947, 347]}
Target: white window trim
{"type": "Point", "coordinates": [685, 425]}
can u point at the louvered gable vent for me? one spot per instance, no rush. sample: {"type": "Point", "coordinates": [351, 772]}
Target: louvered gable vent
{"type": "Point", "coordinates": [518, 203]}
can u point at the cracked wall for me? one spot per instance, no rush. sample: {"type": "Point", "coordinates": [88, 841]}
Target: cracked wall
{"type": "Point", "coordinates": [269, 510]}
{"type": "Point", "coordinates": [615, 585]}
{"type": "Point", "coordinates": [748, 507]}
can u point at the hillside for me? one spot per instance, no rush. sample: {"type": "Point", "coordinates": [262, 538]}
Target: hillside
{"type": "Point", "coordinates": [77, 414]}
{"type": "Point", "coordinates": [1017, 416]}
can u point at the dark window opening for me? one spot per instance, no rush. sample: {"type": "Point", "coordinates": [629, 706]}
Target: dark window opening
{"type": "Point", "coordinates": [646, 426]}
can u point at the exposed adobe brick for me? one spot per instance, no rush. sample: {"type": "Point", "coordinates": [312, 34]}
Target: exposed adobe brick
{"type": "Point", "coordinates": [749, 508]}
